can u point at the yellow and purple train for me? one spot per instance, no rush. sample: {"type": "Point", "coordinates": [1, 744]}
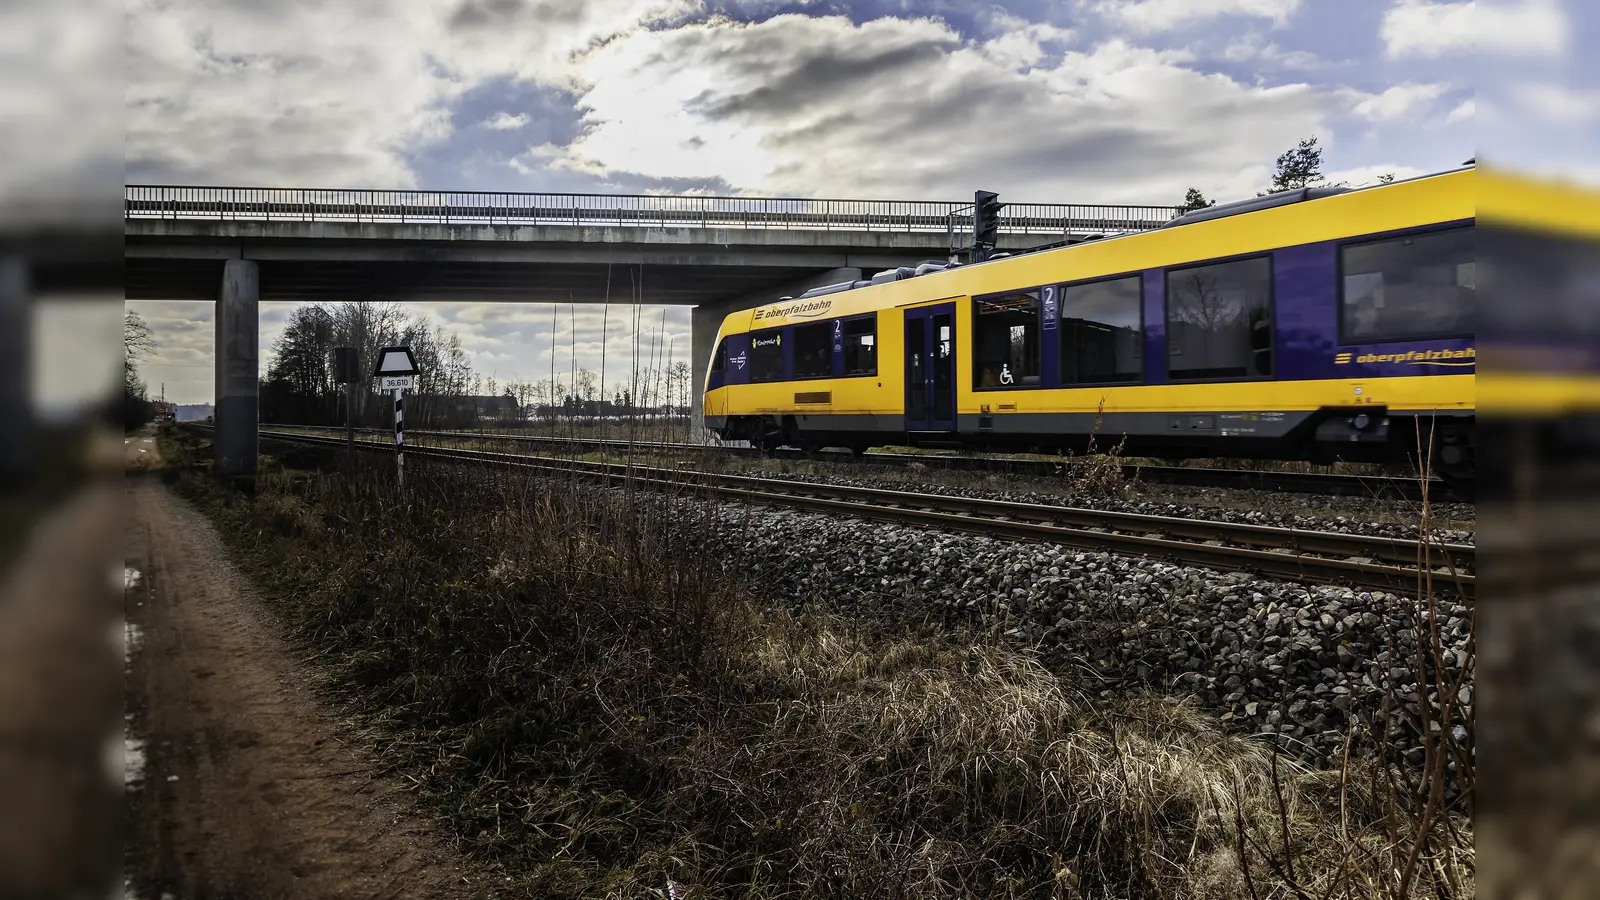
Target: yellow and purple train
{"type": "Point", "coordinates": [1316, 324]}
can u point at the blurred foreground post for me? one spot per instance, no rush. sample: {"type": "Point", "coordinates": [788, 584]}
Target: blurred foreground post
{"type": "Point", "coordinates": [1538, 629]}
{"type": "Point", "coordinates": [16, 408]}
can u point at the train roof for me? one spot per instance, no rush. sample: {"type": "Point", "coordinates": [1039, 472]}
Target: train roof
{"type": "Point", "coordinates": [1540, 204]}
{"type": "Point", "coordinates": [1246, 226]}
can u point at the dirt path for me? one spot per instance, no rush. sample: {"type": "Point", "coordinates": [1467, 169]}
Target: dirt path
{"type": "Point", "coordinates": [60, 703]}
{"type": "Point", "coordinates": [141, 451]}
{"type": "Point", "coordinates": [250, 788]}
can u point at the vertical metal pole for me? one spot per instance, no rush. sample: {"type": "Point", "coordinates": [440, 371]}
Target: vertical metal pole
{"type": "Point", "coordinates": [399, 439]}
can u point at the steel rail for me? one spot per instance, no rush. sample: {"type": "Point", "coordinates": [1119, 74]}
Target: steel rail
{"type": "Point", "coordinates": [1294, 555]}
{"type": "Point", "coordinates": [1377, 487]}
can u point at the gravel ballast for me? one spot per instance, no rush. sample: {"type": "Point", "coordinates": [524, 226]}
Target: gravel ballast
{"type": "Point", "coordinates": [1306, 511]}
{"type": "Point", "coordinates": [1299, 663]}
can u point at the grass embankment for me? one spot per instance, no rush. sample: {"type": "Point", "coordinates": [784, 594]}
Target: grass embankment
{"type": "Point", "coordinates": [595, 714]}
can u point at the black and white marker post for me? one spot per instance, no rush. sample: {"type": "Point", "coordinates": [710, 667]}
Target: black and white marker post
{"type": "Point", "coordinates": [397, 370]}
{"type": "Point", "coordinates": [399, 438]}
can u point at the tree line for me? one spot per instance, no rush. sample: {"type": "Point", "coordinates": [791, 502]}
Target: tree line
{"type": "Point", "coordinates": [1297, 167]}
{"type": "Point", "coordinates": [137, 343]}
{"type": "Point", "coordinates": [300, 386]}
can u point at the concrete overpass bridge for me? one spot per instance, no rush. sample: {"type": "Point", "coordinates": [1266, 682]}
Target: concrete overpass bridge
{"type": "Point", "coordinates": [238, 246]}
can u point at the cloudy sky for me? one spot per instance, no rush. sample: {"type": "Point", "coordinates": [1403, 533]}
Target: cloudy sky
{"type": "Point", "coordinates": [1043, 100]}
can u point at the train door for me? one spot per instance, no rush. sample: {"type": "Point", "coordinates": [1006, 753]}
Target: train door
{"type": "Point", "coordinates": [931, 368]}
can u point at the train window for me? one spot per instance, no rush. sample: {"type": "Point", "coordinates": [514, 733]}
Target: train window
{"type": "Point", "coordinates": [719, 357]}
{"type": "Point", "coordinates": [1219, 320]}
{"type": "Point", "coordinates": [1557, 280]}
{"type": "Point", "coordinates": [1102, 331]}
{"type": "Point", "coordinates": [1408, 288]}
{"type": "Point", "coordinates": [766, 355]}
{"type": "Point", "coordinates": [861, 345]}
{"type": "Point", "coordinates": [1005, 340]}
{"type": "Point", "coordinates": [813, 350]}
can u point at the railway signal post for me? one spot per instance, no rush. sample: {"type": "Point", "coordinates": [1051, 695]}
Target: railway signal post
{"type": "Point", "coordinates": [347, 371]}
{"type": "Point", "coordinates": [986, 208]}
{"type": "Point", "coordinates": [397, 371]}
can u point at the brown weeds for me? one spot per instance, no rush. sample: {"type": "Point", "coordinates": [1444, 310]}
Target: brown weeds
{"type": "Point", "coordinates": [598, 714]}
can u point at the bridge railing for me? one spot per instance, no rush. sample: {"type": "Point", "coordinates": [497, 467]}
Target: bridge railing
{"type": "Point", "coordinates": [468, 208]}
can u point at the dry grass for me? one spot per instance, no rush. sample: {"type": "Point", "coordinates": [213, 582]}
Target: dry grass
{"type": "Point", "coordinates": [597, 714]}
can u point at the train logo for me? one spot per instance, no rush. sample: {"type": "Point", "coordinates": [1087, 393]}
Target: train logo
{"type": "Point", "coordinates": [808, 309]}
{"type": "Point", "coordinates": [1449, 358]}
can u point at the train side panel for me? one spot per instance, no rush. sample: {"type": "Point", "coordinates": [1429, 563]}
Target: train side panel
{"type": "Point", "coordinates": [1321, 390]}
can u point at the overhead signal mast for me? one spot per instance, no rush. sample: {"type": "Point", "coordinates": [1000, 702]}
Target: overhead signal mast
{"type": "Point", "coordinates": [986, 208]}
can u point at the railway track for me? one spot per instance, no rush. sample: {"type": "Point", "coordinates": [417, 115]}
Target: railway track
{"type": "Point", "coordinates": [1367, 486]}
{"type": "Point", "coordinates": [1292, 554]}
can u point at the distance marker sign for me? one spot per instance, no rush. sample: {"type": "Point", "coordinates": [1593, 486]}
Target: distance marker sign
{"type": "Point", "coordinates": [393, 361]}
{"type": "Point", "coordinates": [396, 371]}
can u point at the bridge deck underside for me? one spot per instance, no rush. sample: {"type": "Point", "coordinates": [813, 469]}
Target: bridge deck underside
{"type": "Point", "coordinates": [543, 282]}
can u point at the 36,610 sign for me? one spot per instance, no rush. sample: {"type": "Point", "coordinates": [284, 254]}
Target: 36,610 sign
{"type": "Point", "coordinates": [398, 382]}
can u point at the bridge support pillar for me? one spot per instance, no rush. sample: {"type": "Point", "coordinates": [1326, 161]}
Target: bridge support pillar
{"type": "Point", "coordinates": [237, 373]}
{"type": "Point", "coordinates": [707, 318]}
{"type": "Point", "coordinates": [16, 370]}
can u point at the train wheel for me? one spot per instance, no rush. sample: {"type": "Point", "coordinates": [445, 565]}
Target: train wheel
{"type": "Point", "coordinates": [1455, 459]}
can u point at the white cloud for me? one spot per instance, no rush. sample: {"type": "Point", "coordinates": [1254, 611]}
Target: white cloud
{"type": "Point", "coordinates": [348, 94]}
{"type": "Point", "coordinates": [1362, 176]}
{"type": "Point", "coordinates": [519, 341]}
{"type": "Point", "coordinates": [817, 106]}
{"type": "Point", "coordinates": [1021, 45]}
{"type": "Point", "coordinates": [60, 67]}
{"type": "Point", "coordinates": [539, 156]}
{"type": "Point", "coordinates": [302, 92]}
{"type": "Point", "coordinates": [1530, 29]}
{"type": "Point", "coordinates": [1255, 48]}
{"type": "Point", "coordinates": [1165, 15]}
{"type": "Point", "coordinates": [291, 95]}
{"type": "Point", "coordinates": [1424, 28]}
{"type": "Point", "coordinates": [504, 121]}
{"type": "Point", "coordinates": [1399, 102]}
{"type": "Point", "coordinates": [1520, 28]}
{"type": "Point", "coordinates": [1554, 103]}
{"type": "Point", "coordinates": [1466, 111]}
